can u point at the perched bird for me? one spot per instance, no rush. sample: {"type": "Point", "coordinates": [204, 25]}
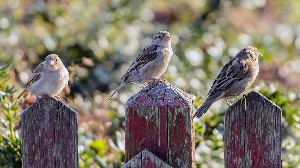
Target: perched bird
{"type": "Point", "coordinates": [235, 78]}
{"type": "Point", "coordinates": [48, 78]}
{"type": "Point", "coordinates": [151, 63]}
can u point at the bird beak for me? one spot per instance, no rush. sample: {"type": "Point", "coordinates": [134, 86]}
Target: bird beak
{"type": "Point", "coordinates": [51, 62]}
{"type": "Point", "coordinates": [167, 37]}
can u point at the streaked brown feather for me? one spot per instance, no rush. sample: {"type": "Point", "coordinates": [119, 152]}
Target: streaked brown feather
{"type": "Point", "coordinates": [35, 76]}
{"type": "Point", "coordinates": [148, 54]}
{"type": "Point", "coordinates": [232, 72]}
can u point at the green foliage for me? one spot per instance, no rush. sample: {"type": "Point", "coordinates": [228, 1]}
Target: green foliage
{"type": "Point", "coordinates": [10, 142]}
{"type": "Point", "coordinates": [99, 152]}
{"type": "Point", "coordinates": [100, 146]}
{"type": "Point", "coordinates": [205, 35]}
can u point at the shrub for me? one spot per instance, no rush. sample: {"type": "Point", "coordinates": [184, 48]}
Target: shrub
{"type": "Point", "coordinates": [10, 141]}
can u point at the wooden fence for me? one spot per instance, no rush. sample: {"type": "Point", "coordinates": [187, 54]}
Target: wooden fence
{"type": "Point", "coordinates": [49, 135]}
{"type": "Point", "coordinates": [253, 133]}
{"type": "Point", "coordinates": [159, 132]}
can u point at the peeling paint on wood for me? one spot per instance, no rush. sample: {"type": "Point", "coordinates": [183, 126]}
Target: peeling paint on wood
{"type": "Point", "coordinates": [159, 118]}
{"type": "Point", "coordinates": [253, 133]}
{"type": "Point", "coordinates": [49, 135]}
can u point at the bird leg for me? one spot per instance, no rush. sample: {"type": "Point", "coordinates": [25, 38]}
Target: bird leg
{"type": "Point", "coordinates": [163, 80]}
{"type": "Point", "coordinates": [246, 92]}
{"type": "Point", "coordinates": [38, 98]}
{"type": "Point", "coordinates": [159, 80]}
{"type": "Point", "coordinates": [142, 86]}
{"type": "Point", "coordinates": [58, 98]}
{"type": "Point", "coordinates": [153, 80]}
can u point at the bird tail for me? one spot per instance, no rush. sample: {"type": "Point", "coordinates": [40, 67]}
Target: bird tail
{"type": "Point", "coordinates": [24, 93]}
{"type": "Point", "coordinates": [118, 88]}
{"type": "Point", "coordinates": [203, 109]}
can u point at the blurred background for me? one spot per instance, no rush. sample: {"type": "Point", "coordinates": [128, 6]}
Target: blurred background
{"type": "Point", "coordinates": [98, 40]}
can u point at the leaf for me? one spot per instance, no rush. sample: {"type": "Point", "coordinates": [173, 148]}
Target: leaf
{"type": "Point", "coordinates": [100, 146]}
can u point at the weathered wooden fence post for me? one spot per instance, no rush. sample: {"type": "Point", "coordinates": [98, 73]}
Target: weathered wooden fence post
{"type": "Point", "coordinates": [159, 130]}
{"type": "Point", "coordinates": [253, 133]}
{"type": "Point", "coordinates": [49, 135]}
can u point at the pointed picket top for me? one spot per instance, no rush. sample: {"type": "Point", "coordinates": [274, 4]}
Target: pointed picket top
{"type": "Point", "coordinates": [47, 103]}
{"type": "Point", "coordinates": [160, 93]}
{"type": "Point", "coordinates": [254, 96]}
{"type": "Point", "coordinates": [146, 159]}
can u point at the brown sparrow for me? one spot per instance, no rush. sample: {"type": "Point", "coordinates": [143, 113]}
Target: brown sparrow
{"type": "Point", "coordinates": [151, 63]}
{"type": "Point", "coordinates": [235, 78]}
{"type": "Point", "coordinates": [48, 78]}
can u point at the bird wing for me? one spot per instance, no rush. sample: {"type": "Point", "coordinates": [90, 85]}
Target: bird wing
{"type": "Point", "coordinates": [234, 71]}
{"type": "Point", "coordinates": [148, 54]}
{"type": "Point", "coordinates": [36, 75]}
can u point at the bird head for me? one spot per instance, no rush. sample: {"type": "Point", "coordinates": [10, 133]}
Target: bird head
{"type": "Point", "coordinates": [252, 52]}
{"type": "Point", "coordinates": [53, 62]}
{"type": "Point", "coordinates": [162, 38]}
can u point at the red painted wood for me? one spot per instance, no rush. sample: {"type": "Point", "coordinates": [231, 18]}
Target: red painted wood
{"type": "Point", "coordinates": [49, 135]}
{"type": "Point", "coordinates": [158, 118]}
{"type": "Point", "coordinates": [253, 133]}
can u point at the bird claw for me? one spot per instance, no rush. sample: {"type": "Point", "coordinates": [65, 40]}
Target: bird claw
{"type": "Point", "coordinates": [143, 86]}
{"type": "Point", "coordinates": [162, 80]}
{"type": "Point", "coordinates": [58, 98]}
{"type": "Point", "coordinates": [39, 98]}
{"type": "Point", "coordinates": [153, 80]}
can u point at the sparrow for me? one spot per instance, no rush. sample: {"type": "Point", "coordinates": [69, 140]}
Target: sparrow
{"type": "Point", "coordinates": [235, 78]}
{"type": "Point", "coordinates": [48, 78]}
{"type": "Point", "coordinates": [151, 62]}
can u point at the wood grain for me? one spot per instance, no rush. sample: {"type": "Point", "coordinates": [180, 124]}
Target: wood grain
{"type": "Point", "coordinates": [49, 135]}
{"type": "Point", "coordinates": [146, 159]}
{"type": "Point", "coordinates": [253, 133]}
{"type": "Point", "coordinates": [159, 119]}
